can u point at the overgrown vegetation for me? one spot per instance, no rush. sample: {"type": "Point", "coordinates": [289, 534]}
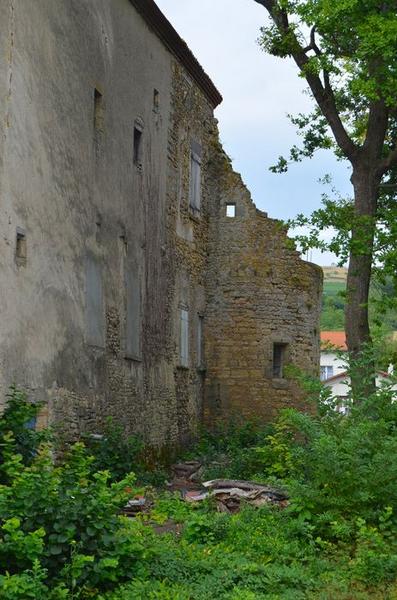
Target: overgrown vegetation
{"type": "Point", "coordinates": [62, 535]}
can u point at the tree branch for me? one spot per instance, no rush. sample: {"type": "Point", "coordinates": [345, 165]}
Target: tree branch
{"type": "Point", "coordinates": [312, 46]}
{"type": "Point", "coordinates": [323, 94]}
{"type": "Point", "coordinates": [389, 162]}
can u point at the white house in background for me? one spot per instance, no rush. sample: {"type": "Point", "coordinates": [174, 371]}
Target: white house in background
{"type": "Point", "coordinates": [333, 343]}
{"type": "Point", "coordinates": [333, 372]}
{"type": "Point", "coordinates": [340, 385]}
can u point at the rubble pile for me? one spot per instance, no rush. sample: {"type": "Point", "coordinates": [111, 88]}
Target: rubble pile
{"type": "Point", "coordinates": [229, 494]}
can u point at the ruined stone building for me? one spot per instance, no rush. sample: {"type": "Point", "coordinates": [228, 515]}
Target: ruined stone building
{"type": "Point", "coordinates": [137, 277]}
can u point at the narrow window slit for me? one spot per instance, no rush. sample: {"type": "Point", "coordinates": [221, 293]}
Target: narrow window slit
{"type": "Point", "coordinates": [279, 351]}
{"type": "Point", "coordinates": [138, 138]}
{"type": "Point", "coordinates": [20, 248]}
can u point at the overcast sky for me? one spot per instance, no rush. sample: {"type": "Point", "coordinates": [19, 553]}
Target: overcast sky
{"type": "Point", "coordinates": [258, 91]}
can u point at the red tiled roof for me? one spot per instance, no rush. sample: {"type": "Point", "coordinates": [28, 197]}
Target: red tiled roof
{"type": "Point", "coordinates": [336, 339]}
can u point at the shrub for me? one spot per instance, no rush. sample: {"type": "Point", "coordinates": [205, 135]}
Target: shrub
{"type": "Point", "coordinates": [17, 432]}
{"type": "Point", "coordinates": [65, 520]}
{"type": "Point", "coordinates": [114, 452]}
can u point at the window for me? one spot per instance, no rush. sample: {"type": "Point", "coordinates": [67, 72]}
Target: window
{"type": "Point", "coordinates": [138, 139]}
{"type": "Point", "coordinates": [279, 351]}
{"type": "Point", "coordinates": [326, 372]}
{"type": "Point", "coordinates": [20, 248]}
{"type": "Point", "coordinates": [200, 341]}
{"type": "Point", "coordinates": [133, 314]}
{"type": "Point", "coordinates": [195, 177]}
{"type": "Point", "coordinates": [98, 111]}
{"type": "Point", "coordinates": [156, 101]}
{"type": "Point", "coordinates": [184, 337]}
{"type": "Point", "coordinates": [230, 210]}
{"type": "Point", "coordinates": [95, 318]}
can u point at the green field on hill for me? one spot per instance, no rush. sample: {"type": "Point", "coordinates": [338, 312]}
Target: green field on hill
{"type": "Point", "coordinates": [332, 314]}
{"type": "Point", "coordinates": [333, 303]}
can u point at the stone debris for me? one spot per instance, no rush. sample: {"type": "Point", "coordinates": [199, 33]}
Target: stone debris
{"type": "Point", "coordinates": [229, 494]}
{"type": "Point", "coordinates": [135, 505]}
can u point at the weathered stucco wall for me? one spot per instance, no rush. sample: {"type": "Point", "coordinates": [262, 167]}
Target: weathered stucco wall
{"type": "Point", "coordinates": [91, 315]}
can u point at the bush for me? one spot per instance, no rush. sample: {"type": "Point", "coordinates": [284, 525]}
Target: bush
{"type": "Point", "coordinates": [17, 429]}
{"type": "Point", "coordinates": [114, 452]}
{"type": "Point", "coordinates": [68, 519]}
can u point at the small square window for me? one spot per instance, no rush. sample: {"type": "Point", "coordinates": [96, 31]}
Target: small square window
{"type": "Point", "coordinates": [231, 210]}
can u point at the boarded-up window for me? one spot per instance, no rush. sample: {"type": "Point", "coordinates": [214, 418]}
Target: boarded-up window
{"type": "Point", "coordinates": [200, 341]}
{"type": "Point", "coordinates": [184, 337]}
{"type": "Point", "coordinates": [95, 317]}
{"type": "Point", "coordinates": [133, 313]}
{"type": "Point", "coordinates": [195, 177]}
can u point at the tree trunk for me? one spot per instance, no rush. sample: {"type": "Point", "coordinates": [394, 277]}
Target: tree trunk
{"type": "Point", "coordinates": [358, 337]}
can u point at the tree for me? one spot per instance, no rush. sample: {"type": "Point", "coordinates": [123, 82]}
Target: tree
{"type": "Point", "coordinates": [346, 52]}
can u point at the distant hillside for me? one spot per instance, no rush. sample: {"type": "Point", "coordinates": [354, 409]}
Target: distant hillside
{"type": "Point", "coordinates": [332, 314]}
{"type": "Point", "coordinates": [335, 274]}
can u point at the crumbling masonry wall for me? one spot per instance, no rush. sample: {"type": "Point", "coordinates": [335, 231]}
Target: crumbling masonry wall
{"type": "Point", "coordinates": [260, 293]}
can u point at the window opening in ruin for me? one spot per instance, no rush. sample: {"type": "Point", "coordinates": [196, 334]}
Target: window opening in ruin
{"type": "Point", "coordinates": [20, 248]}
{"type": "Point", "coordinates": [200, 341]}
{"type": "Point", "coordinates": [279, 351]}
{"type": "Point", "coordinates": [138, 138]}
{"type": "Point", "coordinates": [195, 177]}
{"type": "Point", "coordinates": [184, 337]}
{"type": "Point", "coordinates": [98, 111]}
{"type": "Point", "coordinates": [230, 210]}
{"type": "Point", "coordinates": [156, 101]}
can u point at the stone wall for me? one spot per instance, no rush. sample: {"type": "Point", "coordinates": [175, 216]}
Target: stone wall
{"type": "Point", "coordinates": [260, 293]}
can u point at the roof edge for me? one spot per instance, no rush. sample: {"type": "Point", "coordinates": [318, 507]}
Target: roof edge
{"type": "Point", "coordinates": [171, 38]}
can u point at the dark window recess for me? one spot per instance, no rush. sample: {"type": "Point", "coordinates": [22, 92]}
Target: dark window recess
{"type": "Point", "coordinates": [279, 351]}
{"type": "Point", "coordinates": [20, 248]}
{"type": "Point", "coordinates": [138, 138]}
{"type": "Point", "coordinates": [98, 111]}
{"type": "Point", "coordinates": [156, 101]}
{"type": "Point", "coordinates": [230, 210]}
